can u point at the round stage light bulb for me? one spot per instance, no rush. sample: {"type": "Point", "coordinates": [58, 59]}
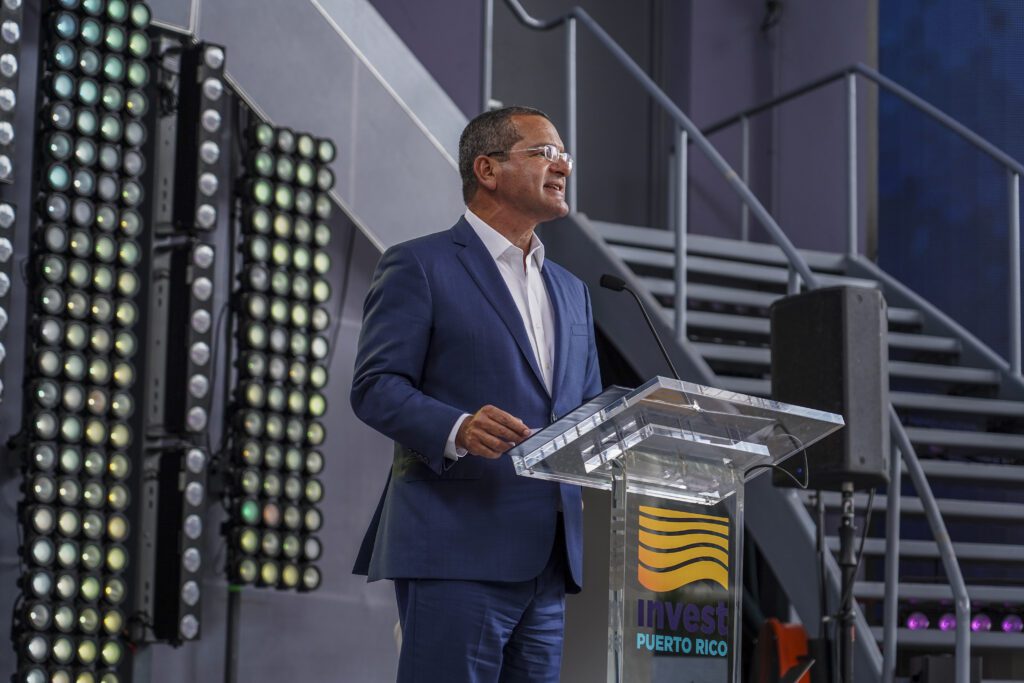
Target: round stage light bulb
{"type": "Point", "coordinates": [213, 89]}
{"type": "Point", "coordinates": [198, 385]}
{"type": "Point", "coordinates": [8, 65]}
{"type": "Point", "coordinates": [209, 152]}
{"type": "Point", "coordinates": [191, 560]}
{"type": "Point", "coordinates": [111, 654]}
{"type": "Point", "coordinates": [310, 578]}
{"type": "Point", "coordinates": [195, 460]}
{"type": "Point", "coordinates": [195, 419]}
{"type": "Point", "coordinates": [214, 57]}
{"type": "Point", "coordinates": [190, 593]}
{"type": "Point", "coordinates": [10, 31]}
{"type": "Point", "coordinates": [202, 256]}
{"type": "Point", "coordinates": [206, 216]}
{"type": "Point", "coordinates": [917, 621]}
{"type": "Point", "coordinates": [208, 184]}
{"type": "Point", "coordinates": [193, 527]}
{"type": "Point", "coordinates": [202, 288]}
{"type": "Point", "coordinates": [210, 120]}
{"type": "Point", "coordinates": [981, 622]}
{"type": "Point", "coordinates": [194, 493]}
{"type": "Point", "coordinates": [1012, 623]}
{"type": "Point", "coordinates": [201, 321]}
{"type": "Point", "coordinates": [199, 353]}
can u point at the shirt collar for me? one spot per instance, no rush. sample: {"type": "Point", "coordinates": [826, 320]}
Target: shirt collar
{"type": "Point", "coordinates": [496, 243]}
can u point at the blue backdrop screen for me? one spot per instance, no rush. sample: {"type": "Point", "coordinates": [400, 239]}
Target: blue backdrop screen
{"type": "Point", "coordinates": [943, 204]}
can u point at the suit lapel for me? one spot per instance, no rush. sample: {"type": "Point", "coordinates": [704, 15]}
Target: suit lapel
{"type": "Point", "coordinates": [556, 294]}
{"type": "Point", "coordinates": [481, 267]}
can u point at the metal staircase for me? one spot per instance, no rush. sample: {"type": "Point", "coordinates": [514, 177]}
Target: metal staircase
{"type": "Point", "coordinates": [962, 409]}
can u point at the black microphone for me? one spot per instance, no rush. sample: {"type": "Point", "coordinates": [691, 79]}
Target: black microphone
{"type": "Point", "coordinates": [617, 285]}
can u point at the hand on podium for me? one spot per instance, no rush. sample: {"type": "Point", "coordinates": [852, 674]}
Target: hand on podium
{"type": "Point", "coordinates": [490, 431]}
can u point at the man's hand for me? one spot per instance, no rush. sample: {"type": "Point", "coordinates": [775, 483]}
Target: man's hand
{"type": "Point", "coordinates": [490, 431]}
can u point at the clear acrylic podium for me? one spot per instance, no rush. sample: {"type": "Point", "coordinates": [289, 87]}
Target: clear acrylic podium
{"type": "Point", "coordinates": [675, 457]}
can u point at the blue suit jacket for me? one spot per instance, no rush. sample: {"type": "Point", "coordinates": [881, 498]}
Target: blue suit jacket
{"type": "Point", "coordinates": [441, 337]}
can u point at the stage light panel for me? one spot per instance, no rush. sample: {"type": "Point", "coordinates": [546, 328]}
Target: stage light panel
{"type": "Point", "coordinates": [79, 376]}
{"type": "Point", "coordinates": [280, 320]}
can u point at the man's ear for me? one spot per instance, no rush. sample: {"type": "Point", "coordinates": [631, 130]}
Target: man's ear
{"type": "Point", "coordinates": [486, 170]}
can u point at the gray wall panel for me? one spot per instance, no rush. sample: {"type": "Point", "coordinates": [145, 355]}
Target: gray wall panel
{"type": "Point", "coordinates": [291, 61]}
{"type": "Point", "coordinates": [174, 12]}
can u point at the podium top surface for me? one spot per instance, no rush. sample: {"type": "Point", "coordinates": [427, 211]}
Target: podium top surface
{"type": "Point", "coordinates": [675, 439]}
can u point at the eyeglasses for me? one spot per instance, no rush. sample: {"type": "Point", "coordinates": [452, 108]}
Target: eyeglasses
{"type": "Point", "coordinates": [549, 152]}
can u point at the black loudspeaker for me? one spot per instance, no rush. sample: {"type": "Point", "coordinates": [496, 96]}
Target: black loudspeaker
{"type": "Point", "coordinates": [830, 352]}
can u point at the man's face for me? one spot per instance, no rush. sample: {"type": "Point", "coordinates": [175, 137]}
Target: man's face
{"type": "Point", "coordinates": [529, 184]}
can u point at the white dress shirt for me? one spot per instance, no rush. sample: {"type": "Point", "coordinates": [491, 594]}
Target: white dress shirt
{"type": "Point", "coordinates": [526, 285]}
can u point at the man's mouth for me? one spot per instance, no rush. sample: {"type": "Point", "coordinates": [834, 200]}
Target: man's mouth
{"type": "Point", "coordinates": [558, 187]}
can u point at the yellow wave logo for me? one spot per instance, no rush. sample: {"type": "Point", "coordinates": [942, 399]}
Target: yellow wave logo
{"type": "Point", "coordinates": [677, 548]}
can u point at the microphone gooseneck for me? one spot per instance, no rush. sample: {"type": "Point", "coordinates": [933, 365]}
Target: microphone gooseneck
{"type": "Point", "coordinates": [617, 284]}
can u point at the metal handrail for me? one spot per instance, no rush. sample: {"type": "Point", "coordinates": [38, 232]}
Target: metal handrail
{"type": "Point", "coordinates": [893, 87]}
{"type": "Point", "coordinates": [799, 267]}
{"type": "Point", "coordinates": [1014, 170]}
{"type": "Point", "coordinates": [580, 15]}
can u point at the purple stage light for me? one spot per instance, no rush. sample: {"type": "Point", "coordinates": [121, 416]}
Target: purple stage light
{"type": "Point", "coordinates": [917, 621]}
{"type": "Point", "coordinates": [1013, 624]}
{"type": "Point", "coordinates": [981, 622]}
{"type": "Point", "coordinates": [947, 622]}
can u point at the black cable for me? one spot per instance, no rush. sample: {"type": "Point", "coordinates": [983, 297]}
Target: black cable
{"type": "Point", "coordinates": [860, 551]}
{"type": "Point", "coordinates": [789, 474]}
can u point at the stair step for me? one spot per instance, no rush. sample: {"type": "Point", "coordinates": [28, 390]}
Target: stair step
{"type": "Point", "coordinates": [746, 324]}
{"type": "Point", "coordinates": [957, 404]}
{"type": "Point", "coordinates": [973, 471]}
{"type": "Point", "coordinates": [728, 322]}
{"type": "Point", "coordinates": [761, 355]}
{"type": "Point", "coordinates": [980, 552]}
{"type": "Point", "coordinates": [739, 270]}
{"type": "Point", "coordinates": [1012, 595]}
{"type": "Point", "coordinates": [953, 438]}
{"type": "Point", "coordinates": [939, 402]}
{"type": "Point", "coordinates": [924, 342]}
{"type": "Point", "coordinates": [956, 374]}
{"type": "Point", "coordinates": [946, 640]}
{"type": "Point", "coordinates": [949, 507]}
{"type": "Point", "coordinates": [654, 238]}
{"type": "Point", "coordinates": [737, 296]}
{"type": "Point", "coordinates": [734, 353]}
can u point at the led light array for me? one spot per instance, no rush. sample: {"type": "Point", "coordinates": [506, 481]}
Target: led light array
{"type": "Point", "coordinates": [81, 344]}
{"type": "Point", "coordinates": [282, 321]}
{"type": "Point", "coordinates": [199, 278]}
{"type": "Point", "coordinates": [6, 271]}
{"type": "Point", "coordinates": [10, 63]}
{"type": "Point", "coordinates": [204, 105]}
{"type": "Point", "coordinates": [987, 620]}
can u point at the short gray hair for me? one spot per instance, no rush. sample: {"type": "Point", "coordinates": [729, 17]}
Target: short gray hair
{"type": "Point", "coordinates": [491, 131]}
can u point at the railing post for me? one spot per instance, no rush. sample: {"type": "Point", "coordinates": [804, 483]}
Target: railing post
{"type": "Point", "coordinates": [487, 50]}
{"type": "Point", "coordinates": [793, 283]}
{"type": "Point", "coordinates": [745, 170]}
{"type": "Point", "coordinates": [890, 612]}
{"type": "Point", "coordinates": [681, 229]}
{"type": "Point", "coordinates": [1013, 353]}
{"type": "Point", "coordinates": [570, 108]}
{"type": "Point", "coordinates": [851, 163]}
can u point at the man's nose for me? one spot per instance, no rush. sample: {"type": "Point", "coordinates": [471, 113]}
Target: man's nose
{"type": "Point", "coordinates": [561, 167]}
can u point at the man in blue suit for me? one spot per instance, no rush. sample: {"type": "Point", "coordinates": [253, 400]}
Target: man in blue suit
{"type": "Point", "coordinates": [471, 340]}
